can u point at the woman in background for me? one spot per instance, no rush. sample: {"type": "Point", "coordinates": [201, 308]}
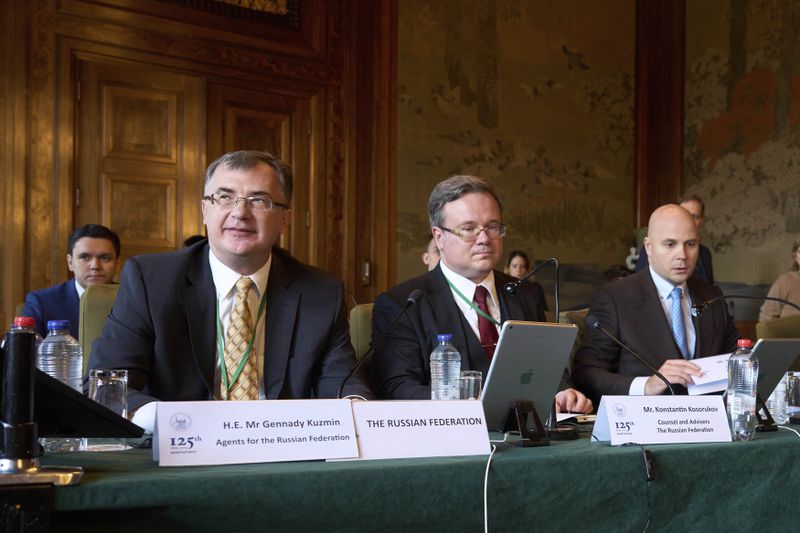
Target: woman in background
{"type": "Point", "coordinates": [787, 286]}
{"type": "Point", "coordinates": [518, 265]}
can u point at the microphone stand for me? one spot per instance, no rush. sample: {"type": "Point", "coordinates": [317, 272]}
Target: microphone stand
{"type": "Point", "coordinates": [512, 286]}
{"type": "Point", "coordinates": [697, 310]}
{"type": "Point", "coordinates": [415, 295]}
{"type": "Point", "coordinates": [596, 325]}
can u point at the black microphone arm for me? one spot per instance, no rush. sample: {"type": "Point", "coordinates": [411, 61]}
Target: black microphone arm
{"type": "Point", "coordinates": [697, 310]}
{"type": "Point", "coordinates": [638, 357]}
{"type": "Point", "coordinates": [413, 298]}
{"type": "Point", "coordinates": [512, 286]}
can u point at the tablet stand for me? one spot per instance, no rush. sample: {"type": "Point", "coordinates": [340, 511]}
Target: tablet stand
{"type": "Point", "coordinates": [518, 419]}
{"type": "Point", "coordinates": [766, 422]}
{"type": "Point", "coordinates": [19, 457]}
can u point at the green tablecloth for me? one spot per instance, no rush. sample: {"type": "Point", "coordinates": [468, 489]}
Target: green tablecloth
{"type": "Point", "coordinates": [570, 486]}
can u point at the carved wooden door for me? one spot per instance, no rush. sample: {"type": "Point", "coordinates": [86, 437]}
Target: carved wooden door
{"type": "Point", "coordinates": [140, 153]}
{"type": "Point", "coordinates": [277, 120]}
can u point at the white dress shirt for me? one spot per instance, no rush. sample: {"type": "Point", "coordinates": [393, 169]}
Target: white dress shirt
{"type": "Point", "coordinates": [225, 284]}
{"type": "Point", "coordinates": [467, 288]}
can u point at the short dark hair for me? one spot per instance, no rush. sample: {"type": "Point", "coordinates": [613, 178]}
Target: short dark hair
{"type": "Point", "coordinates": [518, 253]}
{"type": "Point", "coordinates": [451, 190]}
{"type": "Point", "coordinates": [94, 231]}
{"type": "Point", "coordinates": [247, 159]}
{"type": "Point", "coordinates": [692, 198]}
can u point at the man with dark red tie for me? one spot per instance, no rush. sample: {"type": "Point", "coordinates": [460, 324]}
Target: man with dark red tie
{"type": "Point", "coordinates": [460, 296]}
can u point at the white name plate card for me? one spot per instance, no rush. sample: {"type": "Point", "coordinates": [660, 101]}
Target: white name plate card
{"type": "Point", "coordinates": [424, 428]}
{"type": "Point", "coordinates": [661, 420]}
{"type": "Point", "coordinates": [215, 433]}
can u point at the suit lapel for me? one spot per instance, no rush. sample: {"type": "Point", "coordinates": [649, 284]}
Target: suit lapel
{"type": "Point", "coordinates": [703, 329]}
{"type": "Point", "coordinates": [651, 317]}
{"type": "Point", "coordinates": [200, 308]}
{"type": "Point", "coordinates": [280, 317]}
{"type": "Point", "coordinates": [72, 305]}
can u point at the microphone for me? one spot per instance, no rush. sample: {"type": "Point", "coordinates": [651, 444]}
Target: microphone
{"type": "Point", "coordinates": [697, 310]}
{"type": "Point", "coordinates": [413, 298]}
{"type": "Point", "coordinates": [512, 286]}
{"type": "Point", "coordinates": [638, 357]}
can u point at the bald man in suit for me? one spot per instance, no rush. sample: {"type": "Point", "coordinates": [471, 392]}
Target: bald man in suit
{"type": "Point", "coordinates": [638, 309]}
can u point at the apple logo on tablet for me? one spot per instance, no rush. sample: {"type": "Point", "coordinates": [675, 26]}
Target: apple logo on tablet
{"type": "Point", "coordinates": [526, 377]}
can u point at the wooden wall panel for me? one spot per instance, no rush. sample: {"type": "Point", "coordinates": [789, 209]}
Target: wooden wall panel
{"type": "Point", "coordinates": [313, 68]}
{"type": "Point", "coordinates": [13, 152]}
{"type": "Point", "coordinates": [138, 167]}
{"type": "Point", "coordinates": [660, 43]}
{"type": "Point", "coordinates": [281, 124]}
{"type": "Point", "coordinates": [370, 199]}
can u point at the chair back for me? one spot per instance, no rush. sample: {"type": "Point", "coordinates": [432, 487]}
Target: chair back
{"type": "Point", "coordinates": [95, 306]}
{"type": "Point", "coordinates": [577, 317]}
{"type": "Point", "coordinates": [361, 329]}
{"type": "Point", "coordinates": [787, 327]}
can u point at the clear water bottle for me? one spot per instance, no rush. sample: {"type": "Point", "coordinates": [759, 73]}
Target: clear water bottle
{"type": "Point", "coordinates": [445, 369]}
{"type": "Point", "coordinates": [741, 394]}
{"type": "Point", "coordinates": [61, 356]}
{"type": "Point", "coordinates": [777, 403]}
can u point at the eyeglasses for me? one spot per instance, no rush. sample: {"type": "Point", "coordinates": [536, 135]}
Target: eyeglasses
{"type": "Point", "coordinates": [470, 233]}
{"type": "Point", "coordinates": [258, 204]}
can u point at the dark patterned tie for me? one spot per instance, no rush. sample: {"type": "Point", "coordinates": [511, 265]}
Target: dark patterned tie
{"type": "Point", "coordinates": [486, 329]}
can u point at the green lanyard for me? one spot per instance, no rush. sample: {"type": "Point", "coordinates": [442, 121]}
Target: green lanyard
{"type": "Point", "coordinates": [221, 347]}
{"type": "Point", "coordinates": [471, 303]}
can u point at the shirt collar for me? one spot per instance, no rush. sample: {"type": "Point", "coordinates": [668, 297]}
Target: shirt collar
{"type": "Point", "coordinates": [466, 286]}
{"type": "Point", "coordinates": [225, 278]}
{"type": "Point", "coordinates": [664, 287]}
{"type": "Point", "coordinates": [78, 288]}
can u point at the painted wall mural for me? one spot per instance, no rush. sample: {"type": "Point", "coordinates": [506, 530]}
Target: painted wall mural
{"type": "Point", "coordinates": [535, 95]}
{"type": "Point", "coordinates": [742, 147]}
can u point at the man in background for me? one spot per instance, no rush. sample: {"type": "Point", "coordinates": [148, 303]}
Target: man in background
{"type": "Point", "coordinates": [93, 258]}
{"type": "Point", "coordinates": [430, 257]}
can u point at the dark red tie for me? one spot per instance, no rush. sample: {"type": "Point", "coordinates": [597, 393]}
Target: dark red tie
{"type": "Point", "coordinates": [485, 327]}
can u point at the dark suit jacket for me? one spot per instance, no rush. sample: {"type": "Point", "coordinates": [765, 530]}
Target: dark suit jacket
{"type": "Point", "coordinates": [703, 268]}
{"type": "Point", "coordinates": [402, 360]}
{"type": "Point", "coordinates": [59, 302]}
{"type": "Point", "coordinates": [162, 329]}
{"type": "Point", "coordinates": [630, 309]}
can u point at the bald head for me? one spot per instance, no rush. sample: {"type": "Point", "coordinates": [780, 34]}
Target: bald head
{"type": "Point", "coordinates": [672, 243]}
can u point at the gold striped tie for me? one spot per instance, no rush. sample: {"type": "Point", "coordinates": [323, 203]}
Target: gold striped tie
{"type": "Point", "coordinates": [240, 330]}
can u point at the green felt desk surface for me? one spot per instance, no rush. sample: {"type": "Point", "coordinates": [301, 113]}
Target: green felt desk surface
{"type": "Point", "coordinates": [569, 486]}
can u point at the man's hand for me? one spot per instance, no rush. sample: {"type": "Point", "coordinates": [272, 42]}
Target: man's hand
{"type": "Point", "coordinates": [572, 401]}
{"type": "Point", "coordinates": [677, 371]}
